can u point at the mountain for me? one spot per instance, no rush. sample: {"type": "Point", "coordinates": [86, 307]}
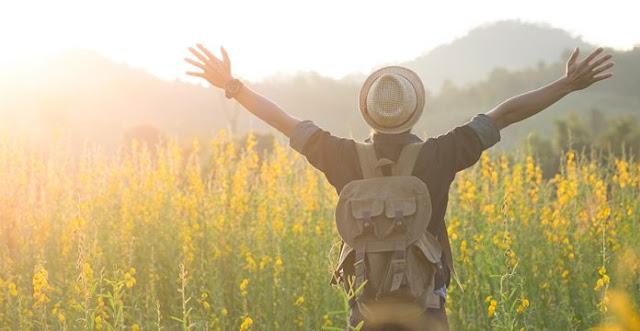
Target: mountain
{"type": "Point", "coordinates": [94, 99]}
{"type": "Point", "coordinates": [90, 97]}
{"type": "Point", "coordinates": [511, 45]}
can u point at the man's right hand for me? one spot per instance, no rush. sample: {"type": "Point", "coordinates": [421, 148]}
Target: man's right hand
{"type": "Point", "coordinates": [215, 71]}
{"type": "Point", "coordinates": [218, 73]}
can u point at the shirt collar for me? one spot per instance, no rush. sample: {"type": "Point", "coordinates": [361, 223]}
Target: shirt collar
{"type": "Point", "coordinates": [399, 138]}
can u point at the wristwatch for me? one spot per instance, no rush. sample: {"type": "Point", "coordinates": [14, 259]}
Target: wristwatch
{"type": "Point", "coordinates": [232, 87]}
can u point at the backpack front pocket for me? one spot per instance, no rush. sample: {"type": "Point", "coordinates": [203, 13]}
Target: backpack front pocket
{"type": "Point", "coordinates": [400, 207]}
{"type": "Point", "coordinates": [366, 221]}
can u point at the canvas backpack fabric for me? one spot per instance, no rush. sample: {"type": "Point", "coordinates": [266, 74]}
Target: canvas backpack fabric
{"type": "Point", "coordinates": [388, 258]}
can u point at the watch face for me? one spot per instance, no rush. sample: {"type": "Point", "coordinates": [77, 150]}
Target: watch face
{"type": "Point", "coordinates": [232, 87]}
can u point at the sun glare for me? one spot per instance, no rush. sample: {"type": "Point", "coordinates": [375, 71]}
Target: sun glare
{"type": "Point", "coordinates": [276, 36]}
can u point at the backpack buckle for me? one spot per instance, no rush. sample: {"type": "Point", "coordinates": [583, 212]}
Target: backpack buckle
{"type": "Point", "coordinates": [360, 271]}
{"type": "Point", "coordinates": [397, 269]}
{"type": "Point", "coordinates": [400, 225]}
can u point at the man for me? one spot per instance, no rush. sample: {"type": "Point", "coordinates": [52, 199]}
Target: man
{"type": "Point", "coordinates": [391, 102]}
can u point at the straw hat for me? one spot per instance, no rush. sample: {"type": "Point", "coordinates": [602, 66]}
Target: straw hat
{"type": "Point", "coordinates": [392, 99]}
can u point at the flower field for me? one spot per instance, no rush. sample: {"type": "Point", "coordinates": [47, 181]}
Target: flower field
{"type": "Point", "coordinates": [224, 238]}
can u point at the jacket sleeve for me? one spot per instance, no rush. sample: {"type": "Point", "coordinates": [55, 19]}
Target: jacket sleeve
{"type": "Point", "coordinates": [334, 156]}
{"type": "Point", "coordinates": [461, 147]}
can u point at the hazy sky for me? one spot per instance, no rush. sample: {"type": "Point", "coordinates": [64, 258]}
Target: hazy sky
{"type": "Point", "coordinates": [264, 37]}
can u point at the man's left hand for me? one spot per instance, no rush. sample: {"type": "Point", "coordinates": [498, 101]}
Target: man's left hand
{"type": "Point", "coordinates": [582, 74]}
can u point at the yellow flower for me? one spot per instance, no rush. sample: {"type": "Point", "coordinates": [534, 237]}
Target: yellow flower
{"type": "Point", "coordinates": [265, 260]}
{"type": "Point", "coordinates": [129, 280]}
{"type": "Point", "coordinates": [599, 284]}
{"type": "Point", "coordinates": [87, 271]}
{"type": "Point", "coordinates": [243, 286]}
{"type": "Point", "coordinates": [246, 324]}
{"type": "Point", "coordinates": [525, 302]}
{"type": "Point", "coordinates": [625, 311]}
{"type": "Point", "coordinates": [299, 301]}
{"type": "Point", "coordinates": [13, 291]}
{"type": "Point", "coordinates": [602, 271]}
{"type": "Point", "coordinates": [327, 320]}
{"type": "Point", "coordinates": [492, 307]}
{"type": "Point", "coordinates": [251, 263]}
{"type": "Point", "coordinates": [135, 327]}
{"type": "Point", "coordinates": [491, 310]}
{"type": "Point", "coordinates": [98, 321]}
{"type": "Point", "coordinates": [41, 286]}
{"type": "Point", "coordinates": [565, 274]}
{"type": "Point", "coordinates": [297, 228]}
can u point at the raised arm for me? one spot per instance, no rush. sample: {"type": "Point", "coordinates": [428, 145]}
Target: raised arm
{"type": "Point", "coordinates": [218, 73]}
{"type": "Point", "coordinates": [578, 76]}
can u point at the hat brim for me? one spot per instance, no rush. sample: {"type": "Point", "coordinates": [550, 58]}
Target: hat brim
{"type": "Point", "coordinates": [413, 78]}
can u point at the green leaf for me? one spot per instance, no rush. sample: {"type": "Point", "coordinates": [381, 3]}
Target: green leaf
{"type": "Point", "coordinates": [176, 319]}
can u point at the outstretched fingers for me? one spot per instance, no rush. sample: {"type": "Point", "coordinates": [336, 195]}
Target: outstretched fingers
{"type": "Point", "coordinates": [198, 55]}
{"type": "Point", "coordinates": [213, 69]}
{"type": "Point", "coordinates": [601, 77]}
{"type": "Point", "coordinates": [574, 56]}
{"type": "Point", "coordinates": [195, 63]}
{"type": "Point", "coordinates": [213, 61]}
{"type": "Point", "coordinates": [598, 66]}
{"type": "Point", "coordinates": [206, 52]}
{"type": "Point", "coordinates": [196, 74]}
{"type": "Point", "coordinates": [603, 68]}
{"type": "Point", "coordinates": [593, 55]}
{"type": "Point", "coordinates": [601, 61]}
{"type": "Point", "coordinates": [225, 59]}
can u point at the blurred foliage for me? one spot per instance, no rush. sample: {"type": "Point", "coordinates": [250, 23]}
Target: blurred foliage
{"type": "Point", "coordinates": [596, 134]}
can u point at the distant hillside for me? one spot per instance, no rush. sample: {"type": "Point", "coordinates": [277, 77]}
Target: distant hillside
{"type": "Point", "coordinates": [95, 99]}
{"type": "Point", "coordinates": [508, 44]}
{"type": "Point", "coordinates": [615, 97]}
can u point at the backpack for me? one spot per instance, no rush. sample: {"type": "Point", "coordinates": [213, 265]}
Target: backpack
{"type": "Point", "coordinates": [387, 249]}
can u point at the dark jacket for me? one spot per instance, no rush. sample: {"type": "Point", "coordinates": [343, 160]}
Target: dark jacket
{"type": "Point", "coordinates": [438, 161]}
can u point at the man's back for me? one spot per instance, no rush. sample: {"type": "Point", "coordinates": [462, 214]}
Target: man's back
{"type": "Point", "coordinates": [437, 163]}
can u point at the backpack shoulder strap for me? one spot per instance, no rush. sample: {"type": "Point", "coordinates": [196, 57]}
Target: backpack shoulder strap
{"type": "Point", "coordinates": [368, 160]}
{"type": "Point", "coordinates": [407, 159]}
